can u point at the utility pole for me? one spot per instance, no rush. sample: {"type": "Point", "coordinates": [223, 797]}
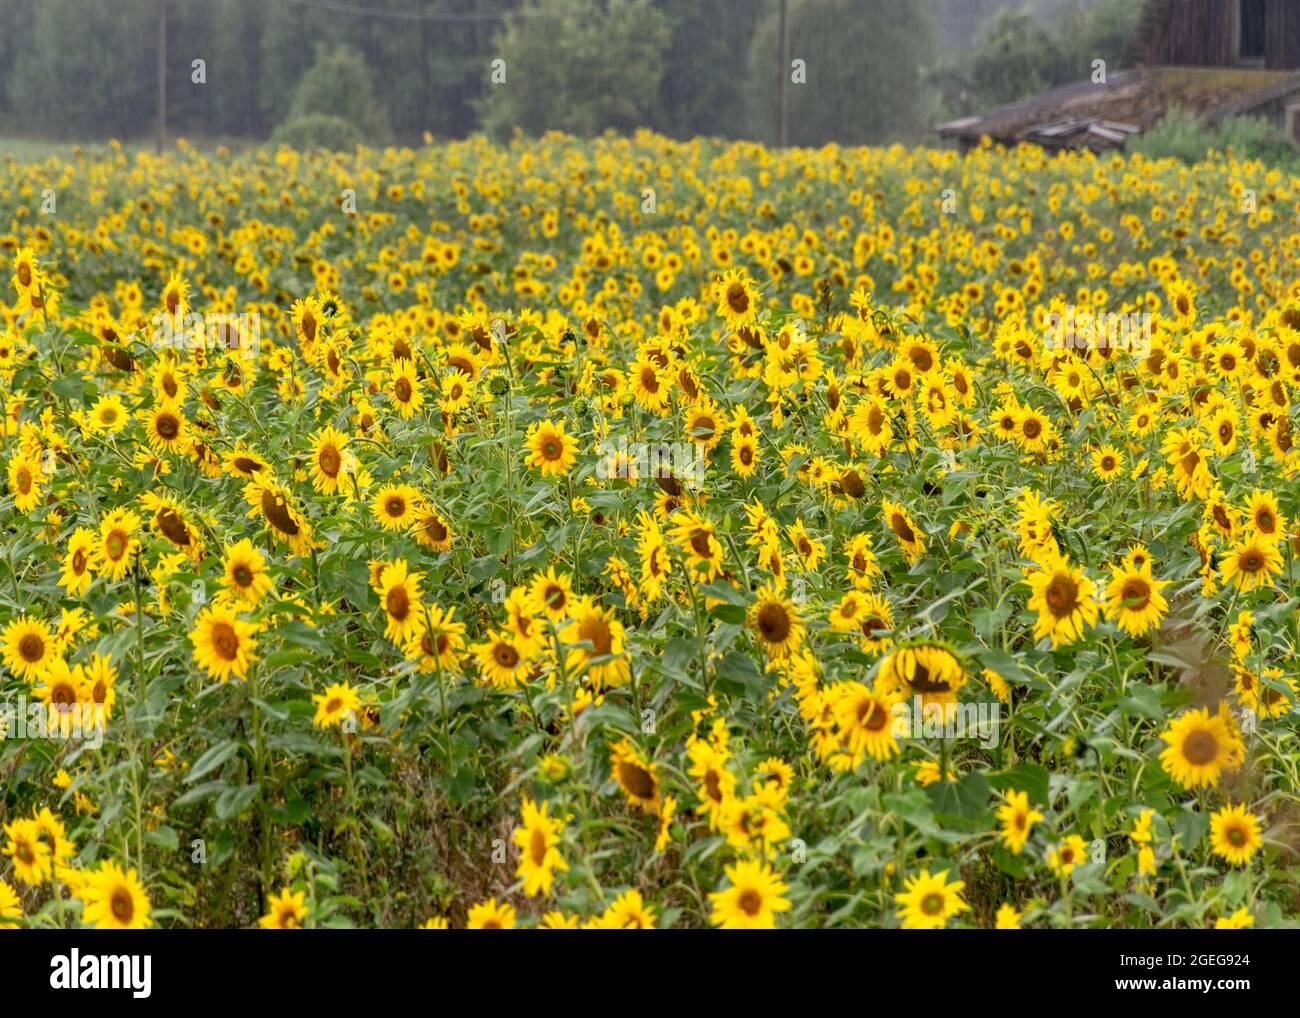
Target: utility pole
{"type": "Point", "coordinates": [782, 118]}
{"type": "Point", "coordinates": [162, 75]}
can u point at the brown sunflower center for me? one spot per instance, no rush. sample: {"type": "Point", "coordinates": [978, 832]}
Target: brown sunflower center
{"type": "Point", "coordinates": [596, 632]}
{"type": "Point", "coordinates": [398, 604]}
{"type": "Point", "coordinates": [899, 525]}
{"type": "Point", "coordinates": [774, 622]}
{"type": "Point", "coordinates": [1062, 596]}
{"type": "Point", "coordinates": [276, 511]}
{"type": "Point", "coordinates": [329, 460]}
{"type": "Point", "coordinates": [505, 655]}
{"type": "Point", "coordinates": [636, 779]}
{"type": "Point", "coordinates": [1200, 748]}
{"type": "Point", "coordinates": [31, 647]}
{"type": "Point", "coordinates": [737, 298]}
{"type": "Point", "coordinates": [225, 641]}
{"type": "Point", "coordinates": [750, 901]}
{"type": "Point", "coordinates": [122, 905]}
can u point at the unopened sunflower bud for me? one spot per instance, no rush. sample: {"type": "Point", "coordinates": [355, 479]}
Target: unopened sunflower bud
{"type": "Point", "coordinates": [498, 385]}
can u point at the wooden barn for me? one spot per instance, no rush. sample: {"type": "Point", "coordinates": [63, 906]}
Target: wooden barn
{"type": "Point", "coordinates": [1262, 34]}
{"type": "Point", "coordinates": [1214, 58]}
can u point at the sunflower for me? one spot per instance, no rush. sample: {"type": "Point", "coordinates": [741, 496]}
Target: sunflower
{"type": "Point", "coordinates": [432, 530]}
{"type": "Point", "coordinates": [871, 427]}
{"type": "Point", "coordinates": [1263, 512]}
{"type": "Point", "coordinates": [1239, 920]}
{"type": "Point", "coordinates": [117, 543]}
{"type": "Point", "coordinates": [1063, 597]}
{"type": "Point", "coordinates": [1186, 457]}
{"type": "Point", "coordinates": [1200, 746]}
{"type": "Point", "coordinates": [1133, 599]}
{"type": "Point", "coordinates": [223, 642]}
{"type": "Point", "coordinates": [705, 424]}
{"type": "Point", "coordinates": [628, 912]}
{"type": "Point", "coordinates": [100, 684]}
{"type": "Point", "coordinates": [337, 704]}
{"type": "Point", "coordinates": [25, 483]}
{"type": "Point", "coordinates": [1107, 462]}
{"type": "Point", "coordinates": [28, 277]}
{"type": "Point", "coordinates": [29, 648]}
{"type": "Point", "coordinates": [399, 593]}
{"type": "Point", "coordinates": [108, 415]}
{"type": "Point", "coordinates": [244, 573]}
{"type": "Point", "coordinates": [1063, 858]}
{"type": "Point", "coordinates": [864, 718]}
{"type": "Point", "coordinates": [176, 296]}
{"type": "Point", "coordinates": [405, 390]}
{"type": "Point", "coordinates": [502, 662]}
{"type": "Point", "coordinates": [1221, 427]}
{"type": "Point", "coordinates": [395, 506]}
{"type": "Point", "coordinates": [439, 642]}
{"type": "Point", "coordinates": [10, 907]}
{"type": "Point", "coordinates": [1017, 820]}
{"type": "Point", "coordinates": [605, 663]}
{"type": "Point", "coordinates": [243, 461]}
{"type": "Point", "coordinates": [31, 856]}
{"type": "Point", "coordinates": [752, 900]}
{"type": "Point", "coordinates": [1234, 834]}
{"type": "Point", "coordinates": [538, 840]}
{"type": "Point", "coordinates": [63, 691]}
{"type": "Point", "coordinates": [696, 536]}
{"type": "Point", "coordinates": [811, 551]}
{"type": "Point", "coordinates": [115, 899]}
{"type": "Point", "coordinates": [456, 393]}
{"type": "Point", "coordinates": [910, 538]}
{"type": "Point", "coordinates": [930, 901]}
{"type": "Point", "coordinates": [327, 459]}
{"type": "Point", "coordinates": [521, 617]}
{"type": "Point", "coordinates": [166, 428]}
{"type": "Point", "coordinates": [550, 449]}
{"type": "Point", "coordinates": [925, 669]}
{"type": "Point", "coordinates": [716, 782]}
{"type": "Point", "coordinates": [169, 519]}
{"type": "Point", "coordinates": [491, 916]}
{"type": "Point", "coordinates": [776, 622]}
{"type": "Point", "coordinates": [744, 454]}
{"type": "Point", "coordinates": [1251, 563]}
{"type": "Point", "coordinates": [269, 500]}
{"type": "Point", "coordinates": [736, 298]}
{"type": "Point", "coordinates": [288, 910]}
{"type": "Point", "coordinates": [648, 384]}
{"type": "Point", "coordinates": [638, 778]}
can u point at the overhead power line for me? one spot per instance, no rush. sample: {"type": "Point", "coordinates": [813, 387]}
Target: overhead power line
{"type": "Point", "coordinates": [383, 12]}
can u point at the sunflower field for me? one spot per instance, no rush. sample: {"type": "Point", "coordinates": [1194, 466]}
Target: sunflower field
{"type": "Point", "coordinates": [639, 533]}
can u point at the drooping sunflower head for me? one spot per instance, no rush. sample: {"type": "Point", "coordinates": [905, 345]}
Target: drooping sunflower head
{"type": "Point", "coordinates": [638, 778]}
{"type": "Point", "coordinates": [775, 622]}
{"type": "Point", "coordinates": [924, 668]}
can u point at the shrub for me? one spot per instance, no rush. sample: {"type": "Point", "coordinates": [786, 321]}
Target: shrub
{"type": "Point", "coordinates": [318, 130]}
{"type": "Point", "coordinates": [338, 85]}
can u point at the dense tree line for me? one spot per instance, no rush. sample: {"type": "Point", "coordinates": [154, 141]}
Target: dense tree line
{"type": "Point", "coordinates": [866, 70]}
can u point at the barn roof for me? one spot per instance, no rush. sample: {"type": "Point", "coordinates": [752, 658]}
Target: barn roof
{"type": "Point", "coordinates": [1103, 116]}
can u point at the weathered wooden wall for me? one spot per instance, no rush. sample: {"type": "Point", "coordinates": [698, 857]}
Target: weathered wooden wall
{"type": "Point", "coordinates": [1203, 33]}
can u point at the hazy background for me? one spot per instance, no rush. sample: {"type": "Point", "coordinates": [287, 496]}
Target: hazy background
{"type": "Point", "coordinates": [335, 71]}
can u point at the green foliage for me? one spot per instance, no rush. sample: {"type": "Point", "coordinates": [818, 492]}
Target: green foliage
{"type": "Point", "coordinates": [1182, 135]}
{"type": "Point", "coordinates": [583, 72]}
{"type": "Point", "coordinates": [849, 72]}
{"type": "Point", "coordinates": [1014, 57]}
{"type": "Point", "coordinates": [338, 87]}
{"type": "Point", "coordinates": [318, 130]}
